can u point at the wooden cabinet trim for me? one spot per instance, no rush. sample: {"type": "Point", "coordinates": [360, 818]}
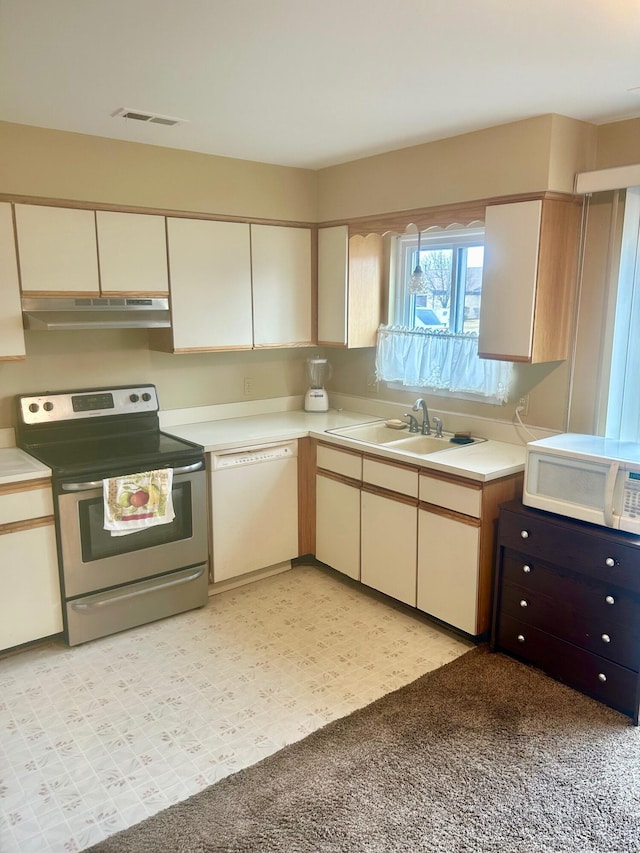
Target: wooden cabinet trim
{"type": "Point", "coordinates": [339, 478]}
{"type": "Point", "coordinates": [306, 496]}
{"type": "Point", "coordinates": [406, 466]}
{"type": "Point", "coordinates": [28, 524]}
{"type": "Point", "coordinates": [449, 513]}
{"type": "Point", "coordinates": [153, 211]}
{"type": "Point", "coordinates": [394, 496]}
{"type": "Point", "coordinates": [25, 486]}
{"type": "Point", "coordinates": [340, 448]}
{"type": "Point", "coordinates": [453, 478]}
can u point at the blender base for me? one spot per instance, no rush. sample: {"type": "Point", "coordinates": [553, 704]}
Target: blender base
{"type": "Point", "coordinates": [316, 400]}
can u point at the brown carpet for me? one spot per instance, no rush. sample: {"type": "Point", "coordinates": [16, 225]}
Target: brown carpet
{"type": "Point", "coordinates": [484, 754]}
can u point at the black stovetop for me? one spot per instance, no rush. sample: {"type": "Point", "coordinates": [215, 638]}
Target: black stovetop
{"type": "Point", "coordinates": [122, 454]}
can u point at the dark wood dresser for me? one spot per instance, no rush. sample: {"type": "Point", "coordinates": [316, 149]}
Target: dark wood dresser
{"type": "Point", "coordinates": [567, 599]}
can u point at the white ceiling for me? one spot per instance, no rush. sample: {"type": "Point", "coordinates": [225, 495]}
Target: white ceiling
{"type": "Point", "coordinates": [313, 83]}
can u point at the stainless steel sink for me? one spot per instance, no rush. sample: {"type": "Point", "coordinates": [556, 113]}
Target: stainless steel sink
{"type": "Point", "coordinates": [378, 433]}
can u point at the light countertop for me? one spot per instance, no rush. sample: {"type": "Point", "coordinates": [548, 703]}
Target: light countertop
{"type": "Point", "coordinates": [487, 460]}
{"type": "Point", "coordinates": [16, 466]}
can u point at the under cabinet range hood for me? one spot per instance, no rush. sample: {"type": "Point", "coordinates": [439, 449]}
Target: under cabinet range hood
{"type": "Point", "coordinates": [50, 313]}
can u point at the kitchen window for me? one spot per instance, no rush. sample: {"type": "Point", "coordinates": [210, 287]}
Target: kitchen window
{"type": "Point", "coordinates": [431, 342]}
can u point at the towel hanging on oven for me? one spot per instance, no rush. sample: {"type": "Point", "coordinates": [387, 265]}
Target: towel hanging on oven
{"type": "Point", "coordinates": [137, 501]}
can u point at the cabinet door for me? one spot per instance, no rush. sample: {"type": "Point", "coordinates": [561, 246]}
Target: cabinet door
{"type": "Point", "coordinates": [58, 250]}
{"type": "Point", "coordinates": [333, 269]}
{"type": "Point", "coordinates": [349, 287]}
{"type": "Point", "coordinates": [511, 246]}
{"type": "Point", "coordinates": [448, 561]}
{"type": "Point", "coordinates": [11, 331]}
{"type": "Point", "coordinates": [388, 546]}
{"type": "Point", "coordinates": [210, 270]}
{"type": "Point", "coordinates": [132, 248]}
{"type": "Point", "coordinates": [281, 275]}
{"type": "Point", "coordinates": [29, 585]}
{"type": "Point", "coordinates": [338, 525]}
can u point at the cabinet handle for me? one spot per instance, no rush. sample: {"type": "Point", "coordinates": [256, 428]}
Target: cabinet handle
{"type": "Point", "coordinates": [610, 599]}
{"type": "Point", "coordinates": [610, 562]}
{"type": "Point", "coordinates": [524, 603]}
{"type": "Point", "coordinates": [605, 638]}
{"type": "Point", "coordinates": [520, 638]}
{"type": "Point", "coordinates": [524, 534]}
{"type": "Point", "coordinates": [526, 569]}
{"type": "Point", "coordinates": [602, 676]}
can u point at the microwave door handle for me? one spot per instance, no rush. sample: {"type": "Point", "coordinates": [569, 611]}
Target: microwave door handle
{"type": "Point", "coordinates": [612, 476]}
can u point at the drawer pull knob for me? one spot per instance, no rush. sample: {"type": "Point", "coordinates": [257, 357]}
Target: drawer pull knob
{"type": "Point", "coordinates": [610, 562]}
{"type": "Point", "coordinates": [610, 599]}
{"type": "Point", "coordinates": [524, 534]}
{"type": "Point", "coordinates": [606, 638]}
{"type": "Point", "coordinates": [524, 603]}
{"type": "Point", "coordinates": [520, 638]}
{"type": "Point", "coordinates": [602, 676]}
{"type": "Point", "coordinates": [526, 569]}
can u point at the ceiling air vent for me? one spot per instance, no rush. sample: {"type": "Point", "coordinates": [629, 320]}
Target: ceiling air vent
{"type": "Point", "coordinates": [150, 118]}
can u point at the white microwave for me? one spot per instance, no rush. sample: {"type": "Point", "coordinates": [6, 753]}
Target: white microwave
{"type": "Point", "coordinates": [587, 477]}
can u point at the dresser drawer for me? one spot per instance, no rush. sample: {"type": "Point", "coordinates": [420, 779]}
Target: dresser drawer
{"type": "Point", "coordinates": [605, 637]}
{"type": "Point", "coordinates": [603, 680]}
{"type": "Point", "coordinates": [602, 601]}
{"type": "Point", "coordinates": [583, 548]}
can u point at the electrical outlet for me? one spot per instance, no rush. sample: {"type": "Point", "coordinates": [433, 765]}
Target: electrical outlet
{"type": "Point", "coordinates": [523, 405]}
{"type": "Point", "coordinates": [248, 386]}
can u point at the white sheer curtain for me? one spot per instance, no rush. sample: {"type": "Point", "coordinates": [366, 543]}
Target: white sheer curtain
{"type": "Point", "coordinates": [418, 358]}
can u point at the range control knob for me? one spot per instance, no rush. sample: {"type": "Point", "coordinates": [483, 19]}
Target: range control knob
{"type": "Point", "coordinates": [134, 398]}
{"type": "Point", "coordinates": [33, 407]}
{"type": "Point", "coordinates": [48, 407]}
{"type": "Point", "coordinates": [146, 396]}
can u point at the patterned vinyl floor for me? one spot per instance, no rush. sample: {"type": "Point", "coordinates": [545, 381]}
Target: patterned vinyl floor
{"type": "Point", "coordinates": [98, 737]}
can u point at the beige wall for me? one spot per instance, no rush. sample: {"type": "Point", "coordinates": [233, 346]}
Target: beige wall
{"type": "Point", "coordinates": [83, 359]}
{"type": "Point", "coordinates": [54, 164]}
{"type": "Point", "coordinates": [532, 155]}
{"type": "Point", "coordinates": [618, 144]}
{"type": "Point", "coordinates": [526, 156]}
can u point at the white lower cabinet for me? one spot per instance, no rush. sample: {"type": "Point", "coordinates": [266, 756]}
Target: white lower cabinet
{"type": "Point", "coordinates": [448, 556]}
{"type": "Point", "coordinates": [338, 525]}
{"type": "Point", "coordinates": [388, 545]}
{"type": "Point", "coordinates": [29, 584]}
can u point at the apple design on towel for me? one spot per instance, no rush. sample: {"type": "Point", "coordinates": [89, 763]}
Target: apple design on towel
{"type": "Point", "coordinates": [139, 498]}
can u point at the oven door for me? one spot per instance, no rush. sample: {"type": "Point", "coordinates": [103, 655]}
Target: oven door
{"type": "Point", "coordinates": [93, 560]}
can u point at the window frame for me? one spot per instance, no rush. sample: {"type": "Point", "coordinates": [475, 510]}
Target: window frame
{"type": "Point", "coordinates": [455, 238]}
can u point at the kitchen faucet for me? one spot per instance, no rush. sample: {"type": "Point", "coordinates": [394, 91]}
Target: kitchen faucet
{"type": "Point", "coordinates": [426, 426]}
{"type": "Point", "coordinates": [413, 423]}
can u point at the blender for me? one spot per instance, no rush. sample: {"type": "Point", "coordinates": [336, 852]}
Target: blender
{"type": "Point", "coordinates": [316, 399]}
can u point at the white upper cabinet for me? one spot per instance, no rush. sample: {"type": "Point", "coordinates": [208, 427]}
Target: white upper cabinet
{"type": "Point", "coordinates": [11, 331]}
{"type": "Point", "coordinates": [132, 249]}
{"type": "Point", "coordinates": [282, 285]}
{"type": "Point", "coordinates": [57, 250]}
{"type": "Point", "coordinates": [528, 280]}
{"type": "Point", "coordinates": [210, 273]}
{"type": "Point", "coordinates": [349, 287]}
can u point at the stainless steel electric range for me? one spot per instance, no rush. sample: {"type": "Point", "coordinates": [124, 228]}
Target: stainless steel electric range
{"type": "Point", "coordinates": [114, 582]}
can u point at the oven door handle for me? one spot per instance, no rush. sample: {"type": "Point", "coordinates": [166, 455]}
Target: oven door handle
{"type": "Point", "coordinates": [97, 484]}
{"type": "Point", "coordinates": [116, 598]}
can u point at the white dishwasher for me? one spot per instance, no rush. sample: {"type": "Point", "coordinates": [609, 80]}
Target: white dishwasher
{"type": "Point", "coordinates": [254, 504]}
